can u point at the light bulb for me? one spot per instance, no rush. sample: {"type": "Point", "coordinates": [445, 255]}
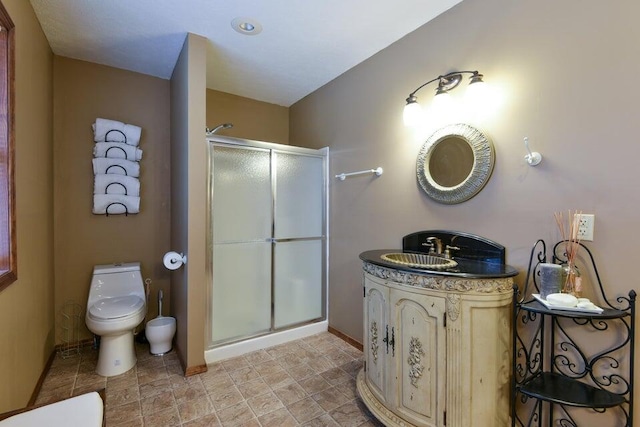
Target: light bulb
{"type": "Point", "coordinates": [412, 114]}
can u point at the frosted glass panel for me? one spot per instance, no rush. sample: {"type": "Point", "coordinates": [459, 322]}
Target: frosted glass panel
{"type": "Point", "coordinates": [299, 195]}
{"type": "Point", "coordinates": [241, 194]}
{"type": "Point", "coordinates": [298, 282]}
{"type": "Point", "coordinates": [241, 294]}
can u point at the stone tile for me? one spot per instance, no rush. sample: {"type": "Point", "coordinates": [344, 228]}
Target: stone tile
{"type": "Point", "coordinates": [320, 364]}
{"type": "Point", "coordinates": [305, 410]}
{"type": "Point", "coordinates": [168, 417]}
{"type": "Point", "coordinates": [329, 399]}
{"type": "Point", "coordinates": [45, 399]}
{"type": "Point", "coordinates": [122, 381]}
{"type": "Point", "coordinates": [217, 382]}
{"type": "Point", "coordinates": [264, 404]}
{"type": "Point", "coordinates": [117, 397]}
{"type": "Point", "coordinates": [352, 368]}
{"type": "Point", "coordinates": [324, 420]}
{"type": "Point", "coordinates": [151, 375]}
{"type": "Point", "coordinates": [174, 370]}
{"type": "Point", "coordinates": [123, 413]}
{"type": "Point", "coordinates": [314, 384]}
{"type": "Point", "coordinates": [267, 368]}
{"type": "Point", "coordinates": [349, 415]}
{"type": "Point", "coordinates": [236, 414]}
{"type": "Point", "coordinates": [188, 392]}
{"type": "Point", "coordinates": [253, 388]}
{"type": "Point", "coordinates": [226, 397]}
{"type": "Point", "coordinates": [157, 403]}
{"type": "Point", "coordinates": [335, 376]}
{"type": "Point", "coordinates": [194, 409]}
{"type": "Point", "coordinates": [243, 375]}
{"type": "Point", "coordinates": [86, 389]}
{"type": "Point", "coordinates": [278, 350]}
{"type": "Point", "coordinates": [213, 369]}
{"type": "Point", "coordinates": [153, 388]}
{"type": "Point", "coordinates": [338, 357]}
{"type": "Point", "coordinates": [90, 379]}
{"type": "Point", "coordinates": [301, 372]}
{"type": "Point", "coordinates": [289, 360]}
{"type": "Point", "coordinates": [277, 380]}
{"type": "Point", "coordinates": [278, 418]}
{"type": "Point", "coordinates": [235, 363]}
{"type": "Point", "coordinates": [210, 420]}
{"type": "Point", "coordinates": [179, 381]}
{"type": "Point", "coordinates": [133, 422]}
{"type": "Point", "coordinates": [290, 394]}
{"type": "Point", "coordinates": [58, 388]}
{"type": "Point", "coordinates": [348, 388]}
{"type": "Point", "coordinates": [257, 357]}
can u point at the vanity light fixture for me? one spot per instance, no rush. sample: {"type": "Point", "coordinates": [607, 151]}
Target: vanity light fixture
{"type": "Point", "coordinates": [533, 158]}
{"type": "Point", "coordinates": [446, 82]}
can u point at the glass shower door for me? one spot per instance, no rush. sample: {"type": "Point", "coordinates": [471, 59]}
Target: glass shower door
{"type": "Point", "coordinates": [298, 239]}
{"type": "Point", "coordinates": [242, 230]}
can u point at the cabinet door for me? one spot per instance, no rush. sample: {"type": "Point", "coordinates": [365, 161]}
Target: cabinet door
{"type": "Point", "coordinates": [420, 357]}
{"type": "Point", "coordinates": [375, 320]}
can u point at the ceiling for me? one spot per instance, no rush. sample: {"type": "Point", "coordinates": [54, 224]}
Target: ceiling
{"type": "Point", "coordinates": [303, 45]}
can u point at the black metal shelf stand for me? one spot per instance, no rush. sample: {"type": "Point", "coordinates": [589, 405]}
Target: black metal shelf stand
{"type": "Point", "coordinates": [566, 360]}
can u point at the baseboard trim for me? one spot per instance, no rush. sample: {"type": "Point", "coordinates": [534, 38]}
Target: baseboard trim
{"type": "Point", "coordinates": [355, 343]}
{"type": "Point", "coordinates": [195, 370]}
{"type": "Point", "coordinates": [43, 375]}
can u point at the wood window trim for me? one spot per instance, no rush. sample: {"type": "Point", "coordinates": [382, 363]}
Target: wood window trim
{"type": "Point", "coordinates": [8, 255]}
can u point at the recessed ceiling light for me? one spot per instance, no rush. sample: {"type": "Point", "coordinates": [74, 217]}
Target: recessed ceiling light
{"type": "Point", "coordinates": [247, 26]}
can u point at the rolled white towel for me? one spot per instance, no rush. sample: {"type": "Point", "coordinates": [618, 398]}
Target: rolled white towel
{"type": "Point", "coordinates": [103, 165]}
{"type": "Point", "coordinates": [117, 150]}
{"type": "Point", "coordinates": [116, 184]}
{"type": "Point", "coordinates": [105, 130]}
{"type": "Point", "coordinates": [114, 204]}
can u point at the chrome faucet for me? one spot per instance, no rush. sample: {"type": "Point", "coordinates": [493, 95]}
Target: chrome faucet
{"type": "Point", "coordinates": [434, 241]}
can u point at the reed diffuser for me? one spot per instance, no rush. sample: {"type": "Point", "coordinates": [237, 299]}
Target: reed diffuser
{"type": "Point", "coordinates": [572, 280]}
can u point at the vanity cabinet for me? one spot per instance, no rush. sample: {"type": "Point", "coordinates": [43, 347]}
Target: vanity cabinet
{"type": "Point", "coordinates": [437, 349]}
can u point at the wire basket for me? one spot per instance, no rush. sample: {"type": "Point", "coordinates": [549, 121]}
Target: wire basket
{"type": "Point", "coordinates": [71, 321]}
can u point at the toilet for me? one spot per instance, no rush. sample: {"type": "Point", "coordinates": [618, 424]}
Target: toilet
{"type": "Point", "coordinates": [160, 331]}
{"type": "Point", "coordinates": [116, 305]}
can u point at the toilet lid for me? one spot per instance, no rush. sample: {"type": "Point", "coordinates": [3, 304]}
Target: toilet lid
{"type": "Point", "coordinates": [113, 308]}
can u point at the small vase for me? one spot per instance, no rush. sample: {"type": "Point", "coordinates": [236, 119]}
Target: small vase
{"type": "Point", "coordinates": [572, 280]}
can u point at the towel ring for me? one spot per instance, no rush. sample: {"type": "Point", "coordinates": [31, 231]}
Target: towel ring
{"type": "Point", "coordinates": [106, 190]}
{"type": "Point", "coordinates": [106, 153]}
{"type": "Point", "coordinates": [115, 130]}
{"type": "Point", "coordinates": [126, 211]}
{"type": "Point", "coordinates": [116, 166]}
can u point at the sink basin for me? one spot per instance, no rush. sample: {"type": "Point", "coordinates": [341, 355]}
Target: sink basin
{"type": "Point", "coordinates": [426, 261]}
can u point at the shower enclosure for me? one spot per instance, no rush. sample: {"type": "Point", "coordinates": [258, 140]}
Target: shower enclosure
{"type": "Point", "coordinates": [267, 238]}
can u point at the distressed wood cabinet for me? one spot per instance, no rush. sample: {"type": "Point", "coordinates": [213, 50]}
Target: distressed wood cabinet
{"type": "Point", "coordinates": [437, 349]}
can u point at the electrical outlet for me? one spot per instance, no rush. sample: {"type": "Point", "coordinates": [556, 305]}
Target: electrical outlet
{"type": "Point", "coordinates": [585, 227]}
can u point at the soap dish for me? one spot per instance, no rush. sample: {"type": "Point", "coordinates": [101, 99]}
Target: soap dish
{"type": "Point", "coordinates": [596, 310]}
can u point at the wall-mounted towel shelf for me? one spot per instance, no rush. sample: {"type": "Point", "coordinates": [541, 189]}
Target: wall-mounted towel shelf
{"type": "Point", "coordinates": [342, 176]}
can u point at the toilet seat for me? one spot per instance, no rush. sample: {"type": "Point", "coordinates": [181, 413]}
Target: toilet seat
{"type": "Point", "coordinates": [116, 307]}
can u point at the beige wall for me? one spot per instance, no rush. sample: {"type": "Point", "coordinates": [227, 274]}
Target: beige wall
{"type": "Point", "coordinates": [189, 202]}
{"type": "Point", "coordinates": [26, 307]}
{"type": "Point", "coordinates": [83, 92]}
{"type": "Point", "coordinates": [251, 119]}
{"type": "Point", "coordinates": [555, 62]}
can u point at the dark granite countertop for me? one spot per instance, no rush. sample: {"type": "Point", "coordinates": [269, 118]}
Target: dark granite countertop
{"type": "Point", "coordinates": [471, 269]}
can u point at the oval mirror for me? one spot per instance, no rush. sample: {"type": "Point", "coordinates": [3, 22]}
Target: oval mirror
{"type": "Point", "coordinates": [455, 163]}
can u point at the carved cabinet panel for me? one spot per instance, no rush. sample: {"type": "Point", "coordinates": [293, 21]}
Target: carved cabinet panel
{"type": "Point", "coordinates": [376, 350]}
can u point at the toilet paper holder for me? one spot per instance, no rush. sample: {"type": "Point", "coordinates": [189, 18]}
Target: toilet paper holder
{"type": "Point", "coordinates": [174, 260]}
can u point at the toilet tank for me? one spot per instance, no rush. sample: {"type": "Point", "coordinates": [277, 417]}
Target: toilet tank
{"type": "Point", "coordinates": [110, 280]}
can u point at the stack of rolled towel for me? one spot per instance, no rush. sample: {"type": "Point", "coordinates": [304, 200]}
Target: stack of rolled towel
{"type": "Point", "coordinates": [116, 167]}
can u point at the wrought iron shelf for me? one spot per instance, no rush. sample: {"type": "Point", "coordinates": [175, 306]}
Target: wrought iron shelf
{"type": "Point", "coordinates": [559, 370]}
{"type": "Point", "coordinates": [556, 388]}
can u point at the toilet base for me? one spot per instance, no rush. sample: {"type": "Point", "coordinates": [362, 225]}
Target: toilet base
{"type": "Point", "coordinates": [117, 354]}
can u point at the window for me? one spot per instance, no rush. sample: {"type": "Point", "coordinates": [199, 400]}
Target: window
{"type": "Point", "coordinates": [8, 263]}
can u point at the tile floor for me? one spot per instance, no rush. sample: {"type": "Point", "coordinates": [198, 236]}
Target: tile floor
{"type": "Point", "coordinates": [307, 382]}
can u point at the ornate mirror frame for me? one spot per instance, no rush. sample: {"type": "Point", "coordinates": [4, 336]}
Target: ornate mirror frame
{"type": "Point", "coordinates": [484, 158]}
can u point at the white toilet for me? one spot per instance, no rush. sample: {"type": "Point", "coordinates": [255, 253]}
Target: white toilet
{"type": "Point", "coordinates": [160, 331]}
{"type": "Point", "coordinates": [116, 305]}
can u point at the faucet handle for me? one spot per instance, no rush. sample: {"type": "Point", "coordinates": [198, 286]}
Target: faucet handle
{"type": "Point", "coordinates": [447, 252]}
{"type": "Point", "coordinates": [432, 249]}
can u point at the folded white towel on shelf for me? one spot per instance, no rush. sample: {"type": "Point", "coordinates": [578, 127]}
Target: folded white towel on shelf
{"type": "Point", "coordinates": [104, 165]}
{"type": "Point", "coordinates": [114, 204]}
{"type": "Point", "coordinates": [117, 150]}
{"type": "Point", "coordinates": [116, 184]}
{"type": "Point", "coordinates": [105, 130]}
